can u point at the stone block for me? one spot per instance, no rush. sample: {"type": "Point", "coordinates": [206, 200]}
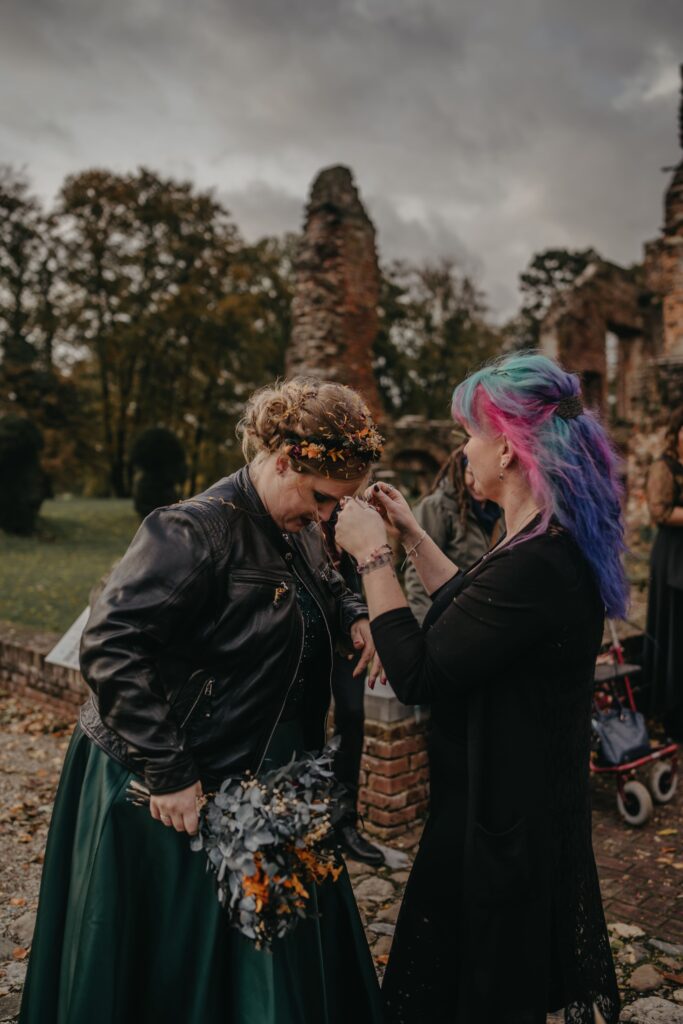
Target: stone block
{"type": "Point", "coordinates": [391, 819]}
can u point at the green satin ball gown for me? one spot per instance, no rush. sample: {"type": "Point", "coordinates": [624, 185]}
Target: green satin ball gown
{"type": "Point", "coordinates": [129, 929]}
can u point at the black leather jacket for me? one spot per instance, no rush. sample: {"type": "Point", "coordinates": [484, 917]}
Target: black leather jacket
{"type": "Point", "coordinates": [195, 640]}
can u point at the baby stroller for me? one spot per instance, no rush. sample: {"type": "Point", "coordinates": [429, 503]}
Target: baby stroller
{"type": "Point", "coordinates": [621, 743]}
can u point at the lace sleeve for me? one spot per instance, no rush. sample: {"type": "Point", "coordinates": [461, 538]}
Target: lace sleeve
{"type": "Point", "coordinates": [660, 491]}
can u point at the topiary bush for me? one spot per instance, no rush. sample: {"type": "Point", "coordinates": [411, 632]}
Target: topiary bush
{"type": "Point", "coordinates": [159, 469]}
{"type": "Point", "coordinates": [23, 483]}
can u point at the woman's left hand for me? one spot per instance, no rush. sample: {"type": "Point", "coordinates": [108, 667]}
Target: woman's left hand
{"type": "Point", "coordinates": [363, 643]}
{"type": "Point", "coordinates": [360, 529]}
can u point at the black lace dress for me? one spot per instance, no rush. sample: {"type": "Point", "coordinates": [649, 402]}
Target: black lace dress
{"type": "Point", "coordinates": [502, 919]}
{"type": "Point", "coordinates": [664, 636]}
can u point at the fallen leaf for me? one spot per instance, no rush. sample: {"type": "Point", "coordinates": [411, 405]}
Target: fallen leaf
{"type": "Point", "coordinates": [19, 953]}
{"type": "Point", "coordinates": [383, 959]}
{"type": "Point", "coordinates": [676, 978]}
{"type": "Point", "coordinates": [667, 832]}
{"type": "Point", "coordinates": [18, 901]}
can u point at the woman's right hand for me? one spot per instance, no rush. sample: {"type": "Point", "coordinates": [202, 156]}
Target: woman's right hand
{"type": "Point", "coordinates": [179, 810]}
{"type": "Point", "coordinates": [394, 508]}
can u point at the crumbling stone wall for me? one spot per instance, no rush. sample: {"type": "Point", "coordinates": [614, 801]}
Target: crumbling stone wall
{"type": "Point", "coordinates": [606, 299]}
{"type": "Point", "coordinates": [415, 450]}
{"type": "Point", "coordinates": [664, 263]}
{"type": "Point", "coordinates": [643, 307]}
{"type": "Point", "coordinates": [336, 297]}
{"type": "Point", "coordinates": [664, 269]}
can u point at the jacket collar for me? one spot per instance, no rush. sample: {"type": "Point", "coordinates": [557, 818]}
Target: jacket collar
{"type": "Point", "coordinates": [262, 519]}
{"type": "Point", "coordinates": [241, 484]}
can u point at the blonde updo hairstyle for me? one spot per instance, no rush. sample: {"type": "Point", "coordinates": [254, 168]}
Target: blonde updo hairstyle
{"type": "Point", "coordinates": [310, 410]}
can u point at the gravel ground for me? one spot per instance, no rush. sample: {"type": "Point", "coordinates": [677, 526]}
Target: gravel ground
{"type": "Point", "coordinates": [33, 741]}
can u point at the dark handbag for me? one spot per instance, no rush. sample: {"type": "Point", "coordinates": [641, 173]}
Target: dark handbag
{"type": "Point", "coordinates": [622, 734]}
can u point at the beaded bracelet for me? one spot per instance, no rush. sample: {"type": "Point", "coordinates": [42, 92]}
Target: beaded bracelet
{"type": "Point", "coordinates": [375, 560]}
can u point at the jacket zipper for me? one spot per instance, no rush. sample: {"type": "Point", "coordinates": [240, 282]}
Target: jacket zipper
{"type": "Point", "coordinates": [296, 672]}
{"type": "Point", "coordinates": [205, 691]}
{"type": "Point", "coordinates": [282, 708]}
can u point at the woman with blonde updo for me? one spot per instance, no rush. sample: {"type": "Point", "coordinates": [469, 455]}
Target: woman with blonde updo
{"type": "Point", "coordinates": [208, 654]}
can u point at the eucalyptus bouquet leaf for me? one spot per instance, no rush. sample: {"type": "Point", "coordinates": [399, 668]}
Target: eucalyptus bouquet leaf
{"type": "Point", "coordinates": [268, 840]}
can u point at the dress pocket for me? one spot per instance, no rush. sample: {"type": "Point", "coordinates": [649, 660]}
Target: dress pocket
{"type": "Point", "coordinates": [501, 869]}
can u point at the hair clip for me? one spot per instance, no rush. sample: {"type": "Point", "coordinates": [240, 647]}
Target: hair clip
{"type": "Point", "coordinates": [569, 407]}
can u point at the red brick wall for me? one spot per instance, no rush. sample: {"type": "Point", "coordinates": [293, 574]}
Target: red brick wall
{"type": "Point", "coordinates": [394, 782]}
{"type": "Point", "coordinates": [23, 669]}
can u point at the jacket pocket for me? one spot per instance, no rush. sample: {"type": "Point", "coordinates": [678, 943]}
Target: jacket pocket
{"type": "Point", "coordinates": [501, 868]}
{"type": "Point", "coordinates": [195, 695]}
{"type": "Point", "coordinates": [259, 576]}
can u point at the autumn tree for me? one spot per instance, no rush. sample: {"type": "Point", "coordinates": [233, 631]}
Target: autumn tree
{"type": "Point", "coordinates": [547, 274]}
{"type": "Point", "coordinates": [27, 275]}
{"type": "Point", "coordinates": [146, 263]}
{"type": "Point", "coordinates": [32, 383]}
{"type": "Point", "coordinates": [251, 321]}
{"type": "Point", "coordinates": [434, 332]}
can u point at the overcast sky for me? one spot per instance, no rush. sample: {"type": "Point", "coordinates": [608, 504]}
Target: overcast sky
{"type": "Point", "coordinates": [485, 129]}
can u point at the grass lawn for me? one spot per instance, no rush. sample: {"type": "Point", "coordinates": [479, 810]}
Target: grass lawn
{"type": "Point", "coordinates": [45, 579]}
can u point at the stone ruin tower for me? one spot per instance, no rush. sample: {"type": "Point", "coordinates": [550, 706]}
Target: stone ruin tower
{"type": "Point", "coordinates": [639, 313]}
{"type": "Point", "coordinates": [664, 261]}
{"type": "Point", "coordinates": [334, 310]}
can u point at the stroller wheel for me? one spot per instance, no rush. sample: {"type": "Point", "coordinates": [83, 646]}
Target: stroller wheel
{"type": "Point", "coordinates": [663, 781]}
{"type": "Point", "coordinates": [635, 806]}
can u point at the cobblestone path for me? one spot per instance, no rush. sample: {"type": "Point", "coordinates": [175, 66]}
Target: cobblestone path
{"type": "Point", "coordinates": [641, 872]}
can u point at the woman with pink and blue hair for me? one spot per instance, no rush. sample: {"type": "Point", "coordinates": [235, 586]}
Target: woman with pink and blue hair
{"type": "Point", "coordinates": [502, 919]}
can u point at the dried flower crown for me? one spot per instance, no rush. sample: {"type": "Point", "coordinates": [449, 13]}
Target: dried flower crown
{"type": "Point", "coordinates": [365, 444]}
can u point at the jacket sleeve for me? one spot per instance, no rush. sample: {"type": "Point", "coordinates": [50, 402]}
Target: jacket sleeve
{"type": "Point", "coordinates": [489, 625]}
{"type": "Point", "coordinates": [350, 606]}
{"type": "Point", "coordinates": [430, 515]}
{"type": "Point", "coordinates": [159, 588]}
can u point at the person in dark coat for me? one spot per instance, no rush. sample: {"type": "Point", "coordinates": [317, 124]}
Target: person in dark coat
{"type": "Point", "coordinates": [209, 654]}
{"type": "Point", "coordinates": [461, 522]}
{"type": "Point", "coordinates": [348, 691]}
{"type": "Point", "coordinates": [664, 634]}
{"type": "Point", "coordinates": [502, 919]}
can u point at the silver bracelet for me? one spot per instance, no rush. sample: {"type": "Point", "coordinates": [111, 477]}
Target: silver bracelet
{"type": "Point", "coordinates": [411, 551]}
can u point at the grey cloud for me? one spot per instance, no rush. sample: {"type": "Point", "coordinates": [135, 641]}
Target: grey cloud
{"type": "Point", "coordinates": [262, 210]}
{"type": "Point", "coordinates": [485, 127]}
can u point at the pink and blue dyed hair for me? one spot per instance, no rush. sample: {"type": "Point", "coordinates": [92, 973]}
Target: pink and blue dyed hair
{"type": "Point", "coordinates": [571, 465]}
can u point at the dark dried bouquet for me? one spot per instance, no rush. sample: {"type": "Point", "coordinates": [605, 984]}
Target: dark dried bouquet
{"type": "Point", "coordinates": [269, 839]}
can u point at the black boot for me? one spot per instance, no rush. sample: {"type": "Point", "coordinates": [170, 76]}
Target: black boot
{"type": "Point", "coordinates": [355, 846]}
